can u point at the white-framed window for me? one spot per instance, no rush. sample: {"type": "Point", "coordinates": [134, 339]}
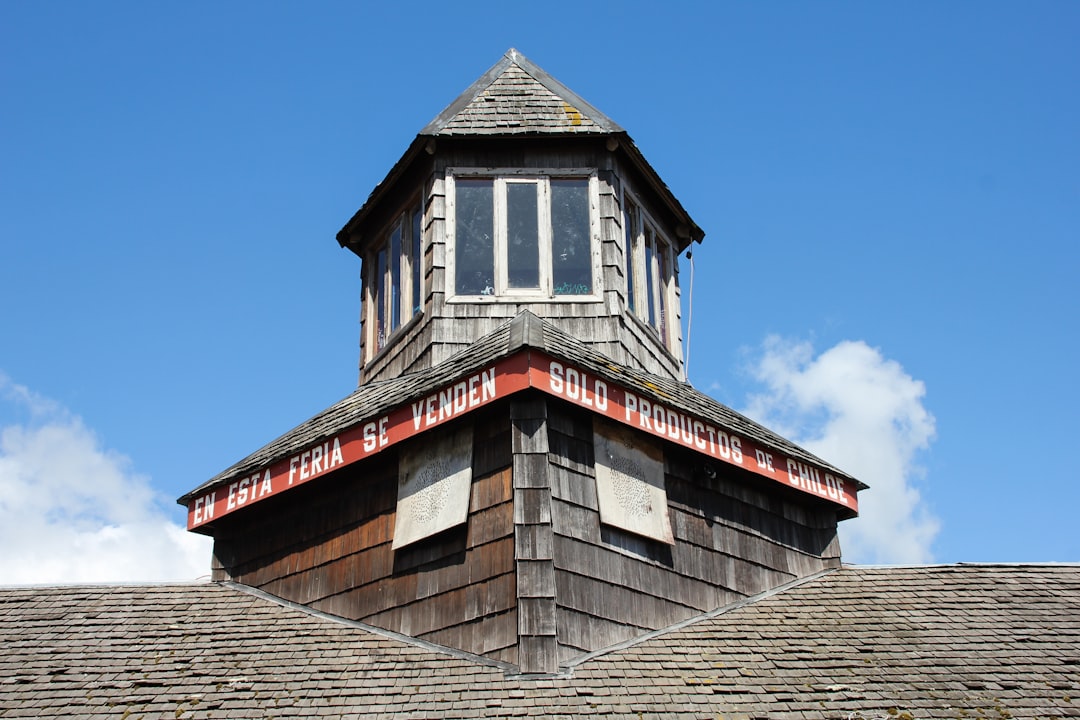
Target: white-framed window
{"type": "Point", "coordinates": [650, 272]}
{"type": "Point", "coordinates": [520, 236]}
{"type": "Point", "coordinates": [395, 279]}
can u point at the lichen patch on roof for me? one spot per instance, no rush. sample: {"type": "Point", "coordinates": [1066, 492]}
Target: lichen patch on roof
{"type": "Point", "coordinates": [517, 97]}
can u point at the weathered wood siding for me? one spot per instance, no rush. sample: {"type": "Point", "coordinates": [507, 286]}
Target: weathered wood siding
{"type": "Point", "coordinates": [533, 578]}
{"type": "Point", "coordinates": [328, 547]}
{"type": "Point", "coordinates": [537, 636]}
{"type": "Point", "coordinates": [449, 327]}
{"type": "Point", "coordinates": [732, 539]}
{"type": "Point", "coordinates": [409, 350]}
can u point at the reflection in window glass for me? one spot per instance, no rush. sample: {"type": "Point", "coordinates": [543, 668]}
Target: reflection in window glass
{"type": "Point", "coordinates": [571, 261]}
{"type": "Point", "coordinates": [650, 274]}
{"type": "Point", "coordinates": [522, 236]}
{"type": "Point", "coordinates": [395, 277]}
{"type": "Point", "coordinates": [650, 271]}
{"type": "Point", "coordinates": [380, 295]}
{"type": "Point", "coordinates": [630, 222]}
{"type": "Point", "coordinates": [475, 252]}
{"type": "Point", "coordinates": [661, 294]}
{"type": "Point", "coordinates": [417, 261]}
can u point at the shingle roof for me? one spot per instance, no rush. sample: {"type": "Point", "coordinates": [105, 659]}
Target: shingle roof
{"type": "Point", "coordinates": [944, 642]}
{"type": "Point", "coordinates": [524, 331]}
{"type": "Point", "coordinates": [516, 97]}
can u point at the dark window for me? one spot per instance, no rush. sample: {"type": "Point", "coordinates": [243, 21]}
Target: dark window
{"type": "Point", "coordinates": [475, 250]}
{"type": "Point", "coordinates": [571, 246]}
{"type": "Point", "coordinates": [523, 236]}
{"type": "Point", "coordinates": [395, 281]}
{"type": "Point", "coordinates": [649, 272]}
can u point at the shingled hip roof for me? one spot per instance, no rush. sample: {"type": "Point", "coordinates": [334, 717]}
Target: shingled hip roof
{"type": "Point", "coordinates": [991, 641]}
{"type": "Point", "coordinates": [516, 98]}
{"type": "Point", "coordinates": [523, 333]}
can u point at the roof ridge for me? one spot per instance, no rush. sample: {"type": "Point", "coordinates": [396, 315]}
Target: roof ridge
{"type": "Point", "coordinates": [526, 330]}
{"type": "Point", "coordinates": [961, 564]}
{"type": "Point", "coordinates": [105, 584]}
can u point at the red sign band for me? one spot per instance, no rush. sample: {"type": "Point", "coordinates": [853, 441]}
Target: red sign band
{"type": "Point", "coordinates": [502, 379]}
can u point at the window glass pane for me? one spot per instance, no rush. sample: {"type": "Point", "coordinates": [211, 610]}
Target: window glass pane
{"type": "Point", "coordinates": [395, 278]}
{"type": "Point", "coordinates": [571, 261]}
{"type": "Point", "coordinates": [631, 225]}
{"type": "Point", "coordinates": [475, 252]}
{"type": "Point", "coordinates": [522, 238]}
{"type": "Point", "coordinates": [661, 292]}
{"type": "Point", "coordinates": [380, 299]}
{"type": "Point", "coordinates": [650, 274]}
{"type": "Point", "coordinates": [417, 260]}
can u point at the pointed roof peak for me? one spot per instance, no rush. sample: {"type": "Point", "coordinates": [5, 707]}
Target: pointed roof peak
{"type": "Point", "coordinates": [516, 97]}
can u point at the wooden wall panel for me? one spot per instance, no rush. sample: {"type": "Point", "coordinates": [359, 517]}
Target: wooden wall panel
{"type": "Point", "coordinates": [533, 539]}
{"type": "Point", "coordinates": [329, 547]}
{"type": "Point", "coordinates": [733, 539]}
{"type": "Point", "coordinates": [447, 328]}
{"type": "Point", "coordinates": [495, 638]}
{"type": "Point", "coordinates": [591, 632]}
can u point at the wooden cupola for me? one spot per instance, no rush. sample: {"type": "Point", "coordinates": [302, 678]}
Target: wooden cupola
{"type": "Point", "coordinates": [523, 474]}
{"type": "Point", "coordinates": [520, 195]}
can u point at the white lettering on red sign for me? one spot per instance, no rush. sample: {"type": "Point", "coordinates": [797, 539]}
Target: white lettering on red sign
{"type": "Point", "coordinates": [204, 508]}
{"type": "Point", "coordinates": [355, 443]}
{"type": "Point", "coordinates": [578, 386]}
{"type": "Point", "coordinates": [248, 488]}
{"type": "Point", "coordinates": [681, 428]}
{"type": "Point", "coordinates": [524, 370]}
{"type": "Point", "coordinates": [454, 400]}
{"type": "Point", "coordinates": [317, 460]}
{"type": "Point", "coordinates": [658, 419]}
{"type": "Point", "coordinates": [808, 477]}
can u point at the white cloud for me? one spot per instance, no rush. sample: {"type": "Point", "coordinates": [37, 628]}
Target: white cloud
{"type": "Point", "coordinates": [862, 413]}
{"type": "Point", "coordinates": [72, 511]}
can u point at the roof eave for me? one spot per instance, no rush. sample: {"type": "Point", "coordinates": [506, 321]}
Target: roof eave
{"type": "Point", "coordinates": [346, 236]}
{"type": "Point", "coordinates": [523, 332]}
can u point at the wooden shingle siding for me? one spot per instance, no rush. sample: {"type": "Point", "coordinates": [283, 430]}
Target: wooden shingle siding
{"type": "Point", "coordinates": [329, 548]}
{"type": "Point", "coordinates": [495, 638]}
{"type": "Point", "coordinates": [445, 328]}
{"type": "Point", "coordinates": [591, 632]}
{"type": "Point", "coordinates": [410, 350]}
{"type": "Point", "coordinates": [533, 546]}
{"type": "Point", "coordinates": [732, 541]}
{"type": "Point", "coordinates": [532, 577]}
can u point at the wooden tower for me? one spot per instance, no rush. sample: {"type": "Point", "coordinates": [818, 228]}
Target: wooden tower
{"type": "Point", "coordinates": [523, 472]}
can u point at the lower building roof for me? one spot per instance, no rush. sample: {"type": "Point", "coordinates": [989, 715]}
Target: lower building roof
{"type": "Point", "coordinates": [990, 641]}
{"type": "Point", "coordinates": [515, 337]}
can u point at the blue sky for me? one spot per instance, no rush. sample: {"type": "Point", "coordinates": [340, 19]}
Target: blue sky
{"type": "Point", "coordinates": [890, 195]}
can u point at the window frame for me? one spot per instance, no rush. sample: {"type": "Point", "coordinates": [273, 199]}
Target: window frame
{"type": "Point", "coordinates": [649, 263]}
{"type": "Point", "coordinates": [382, 307]}
{"type": "Point", "coordinates": [501, 178]}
